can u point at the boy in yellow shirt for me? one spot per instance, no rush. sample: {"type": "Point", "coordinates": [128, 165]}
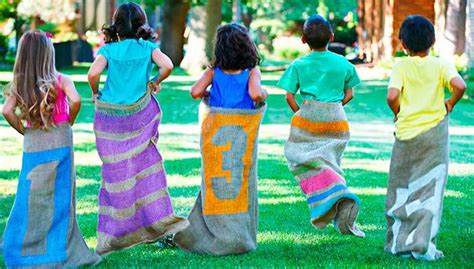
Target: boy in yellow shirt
{"type": "Point", "coordinates": [420, 157]}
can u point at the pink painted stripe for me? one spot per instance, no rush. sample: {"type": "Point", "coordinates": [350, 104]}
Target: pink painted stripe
{"type": "Point", "coordinates": [320, 181]}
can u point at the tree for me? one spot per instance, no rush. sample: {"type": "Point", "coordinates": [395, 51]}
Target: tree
{"type": "Point", "coordinates": [56, 11]}
{"type": "Point", "coordinates": [203, 23]}
{"type": "Point", "coordinates": [174, 23]}
{"type": "Point", "coordinates": [455, 32]}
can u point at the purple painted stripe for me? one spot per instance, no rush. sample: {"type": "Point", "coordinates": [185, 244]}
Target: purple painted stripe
{"type": "Point", "coordinates": [107, 147]}
{"type": "Point", "coordinates": [126, 123]}
{"type": "Point", "coordinates": [120, 171]}
{"type": "Point", "coordinates": [120, 200]}
{"type": "Point", "coordinates": [144, 217]}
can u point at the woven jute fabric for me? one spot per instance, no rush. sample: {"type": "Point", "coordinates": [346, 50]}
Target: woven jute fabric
{"type": "Point", "coordinates": [225, 215]}
{"type": "Point", "coordinates": [417, 179]}
{"type": "Point", "coordinates": [134, 203]}
{"type": "Point", "coordinates": [318, 136]}
{"type": "Point", "coordinates": [42, 231]}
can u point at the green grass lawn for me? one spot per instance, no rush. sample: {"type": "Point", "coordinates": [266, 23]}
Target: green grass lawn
{"type": "Point", "coordinates": [285, 235]}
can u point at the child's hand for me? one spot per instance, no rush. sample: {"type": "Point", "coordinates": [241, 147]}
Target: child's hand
{"type": "Point", "coordinates": [448, 106]}
{"type": "Point", "coordinates": [155, 87]}
{"type": "Point", "coordinates": [94, 97]}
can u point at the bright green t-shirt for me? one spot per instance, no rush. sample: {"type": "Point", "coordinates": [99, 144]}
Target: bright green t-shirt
{"type": "Point", "coordinates": [321, 75]}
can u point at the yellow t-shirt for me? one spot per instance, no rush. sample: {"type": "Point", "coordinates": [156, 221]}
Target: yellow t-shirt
{"type": "Point", "coordinates": [421, 81]}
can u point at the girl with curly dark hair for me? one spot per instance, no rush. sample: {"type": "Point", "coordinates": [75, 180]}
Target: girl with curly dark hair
{"type": "Point", "coordinates": [128, 56]}
{"type": "Point", "coordinates": [234, 74]}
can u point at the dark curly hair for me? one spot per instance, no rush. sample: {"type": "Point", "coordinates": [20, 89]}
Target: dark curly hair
{"type": "Point", "coordinates": [317, 32]}
{"type": "Point", "coordinates": [129, 22]}
{"type": "Point", "coordinates": [417, 33]}
{"type": "Point", "coordinates": [234, 49]}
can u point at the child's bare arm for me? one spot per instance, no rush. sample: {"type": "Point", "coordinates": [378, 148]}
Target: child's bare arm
{"type": "Point", "coordinates": [348, 95]}
{"type": "Point", "coordinates": [198, 90]}
{"type": "Point", "coordinates": [93, 75]}
{"type": "Point", "coordinates": [393, 101]}
{"type": "Point", "coordinates": [256, 92]}
{"type": "Point", "coordinates": [459, 87]}
{"type": "Point", "coordinates": [165, 67]}
{"type": "Point", "coordinates": [8, 112]}
{"type": "Point", "coordinates": [73, 97]}
{"type": "Point", "coordinates": [290, 99]}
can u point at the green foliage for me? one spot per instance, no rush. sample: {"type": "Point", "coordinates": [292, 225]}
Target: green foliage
{"type": "Point", "coordinates": [265, 31]}
{"type": "Point", "coordinates": [48, 27]}
{"type": "Point", "coordinates": [8, 8]}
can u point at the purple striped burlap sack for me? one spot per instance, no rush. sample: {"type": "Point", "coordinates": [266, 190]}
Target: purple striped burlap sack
{"type": "Point", "coordinates": [134, 204]}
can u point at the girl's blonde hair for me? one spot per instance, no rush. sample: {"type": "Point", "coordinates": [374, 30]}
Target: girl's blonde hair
{"type": "Point", "coordinates": [34, 79]}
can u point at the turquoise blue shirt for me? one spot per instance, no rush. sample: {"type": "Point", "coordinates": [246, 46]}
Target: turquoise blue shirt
{"type": "Point", "coordinates": [129, 65]}
{"type": "Point", "coordinates": [321, 75]}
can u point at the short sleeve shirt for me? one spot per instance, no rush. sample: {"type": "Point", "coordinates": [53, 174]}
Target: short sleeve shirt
{"type": "Point", "coordinates": [322, 76]}
{"type": "Point", "coordinates": [129, 64]}
{"type": "Point", "coordinates": [421, 82]}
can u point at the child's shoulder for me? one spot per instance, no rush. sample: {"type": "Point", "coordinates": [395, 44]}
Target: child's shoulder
{"type": "Point", "coordinates": [429, 60]}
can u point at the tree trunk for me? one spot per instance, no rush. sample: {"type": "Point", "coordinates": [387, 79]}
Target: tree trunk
{"type": "Point", "coordinates": [236, 11]}
{"type": "Point", "coordinates": [174, 24]}
{"type": "Point", "coordinates": [455, 32]}
{"type": "Point", "coordinates": [195, 57]}
{"type": "Point", "coordinates": [203, 23]}
{"type": "Point", "coordinates": [214, 19]}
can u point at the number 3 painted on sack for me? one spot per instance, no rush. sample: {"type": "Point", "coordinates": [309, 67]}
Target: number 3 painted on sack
{"type": "Point", "coordinates": [228, 155]}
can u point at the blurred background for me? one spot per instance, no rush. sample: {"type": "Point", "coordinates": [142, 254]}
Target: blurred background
{"type": "Point", "coordinates": [365, 30]}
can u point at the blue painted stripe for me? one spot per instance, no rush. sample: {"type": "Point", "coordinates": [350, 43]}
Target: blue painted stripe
{"type": "Point", "coordinates": [322, 209]}
{"type": "Point", "coordinates": [17, 223]}
{"type": "Point", "coordinates": [323, 195]}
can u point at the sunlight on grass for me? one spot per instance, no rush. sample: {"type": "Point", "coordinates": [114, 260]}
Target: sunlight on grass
{"type": "Point", "coordinates": [8, 187]}
{"type": "Point", "coordinates": [86, 182]}
{"type": "Point", "coordinates": [299, 238]}
{"type": "Point", "coordinates": [383, 191]}
{"type": "Point", "coordinates": [86, 207]}
{"type": "Point", "coordinates": [182, 181]}
{"type": "Point", "coordinates": [281, 200]}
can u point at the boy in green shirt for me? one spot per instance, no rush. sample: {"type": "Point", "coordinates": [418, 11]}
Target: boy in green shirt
{"type": "Point", "coordinates": [322, 75]}
{"type": "Point", "coordinates": [319, 129]}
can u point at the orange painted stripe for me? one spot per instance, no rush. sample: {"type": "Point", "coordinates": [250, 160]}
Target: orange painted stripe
{"type": "Point", "coordinates": [319, 127]}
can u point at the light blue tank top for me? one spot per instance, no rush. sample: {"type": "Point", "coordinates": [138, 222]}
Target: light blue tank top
{"type": "Point", "coordinates": [129, 64]}
{"type": "Point", "coordinates": [231, 91]}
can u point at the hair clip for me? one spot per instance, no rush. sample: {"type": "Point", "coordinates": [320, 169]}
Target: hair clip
{"type": "Point", "coordinates": [49, 35]}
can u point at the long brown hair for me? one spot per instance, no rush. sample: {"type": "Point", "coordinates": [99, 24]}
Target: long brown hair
{"type": "Point", "coordinates": [34, 79]}
{"type": "Point", "coordinates": [129, 22]}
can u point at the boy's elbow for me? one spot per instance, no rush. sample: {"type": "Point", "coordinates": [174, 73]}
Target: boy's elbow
{"type": "Point", "coordinates": [167, 69]}
{"type": "Point", "coordinates": [5, 112]}
{"type": "Point", "coordinates": [195, 94]}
